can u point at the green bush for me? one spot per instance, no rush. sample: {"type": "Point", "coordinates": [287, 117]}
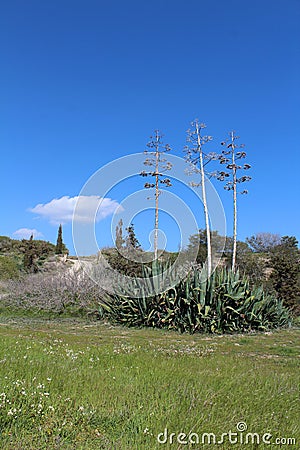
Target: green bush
{"type": "Point", "coordinates": [27, 254]}
{"type": "Point", "coordinates": [285, 276]}
{"type": "Point", "coordinates": [9, 268]}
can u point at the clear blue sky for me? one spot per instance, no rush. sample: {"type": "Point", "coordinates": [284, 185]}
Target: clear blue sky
{"type": "Point", "coordinates": [85, 82]}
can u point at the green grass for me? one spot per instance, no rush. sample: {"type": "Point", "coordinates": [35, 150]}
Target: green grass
{"type": "Point", "coordinates": [72, 384]}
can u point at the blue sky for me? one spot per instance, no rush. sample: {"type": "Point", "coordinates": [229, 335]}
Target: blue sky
{"type": "Point", "coordinates": [85, 82]}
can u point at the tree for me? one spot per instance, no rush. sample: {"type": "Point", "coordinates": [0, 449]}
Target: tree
{"type": "Point", "coordinates": [197, 160]}
{"type": "Point", "coordinates": [242, 248]}
{"type": "Point", "coordinates": [131, 240]}
{"type": "Point", "coordinates": [199, 241]}
{"type": "Point", "coordinates": [119, 235]}
{"type": "Point", "coordinates": [253, 265]}
{"type": "Point", "coordinates": [123, 262]}
{"type": "Point", "coordinates": [30, 255]}
{"type": "Point", "coordinates": [160, 165]}
{"type": "Point", "coordinates": [263, 242]}
{"type": "Point", "coordinates": [285, 276]}
{"type": "Point", "coordinates": [60, 248]}
{"type": "Point", "coordinates": [234, 180]}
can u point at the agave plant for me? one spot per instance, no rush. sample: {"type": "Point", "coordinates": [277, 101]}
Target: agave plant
{"type": "Point", "coordinates": [219, 304]}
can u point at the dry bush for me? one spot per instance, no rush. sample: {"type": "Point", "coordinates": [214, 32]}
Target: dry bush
{"type": "Point", "coordinates": [68, 290]}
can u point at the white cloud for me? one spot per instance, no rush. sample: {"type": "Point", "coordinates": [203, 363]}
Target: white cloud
{"type": "Point", "coordinates": [61, 210]}
{"type": "Point", "coordinates": [25, 233]}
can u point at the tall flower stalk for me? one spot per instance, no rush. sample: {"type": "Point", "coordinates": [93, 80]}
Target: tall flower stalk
{"type": "Point", "coordinates": [197, 160]}
{"type": "Point", "coordinates": [230, 158]}
{"type": "Point", "coordinates": [155, 159]}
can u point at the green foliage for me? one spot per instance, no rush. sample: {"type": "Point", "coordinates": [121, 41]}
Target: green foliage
{"type": "Point", "coordinates": [242, 248]}
{"type": "Point", "coordinates": [34, 253]}
{"type": "Point", "coordinates": [222, 303]}
{"type": "Point", "coordinates": [6, 244]}
{"type": "Point", "coordinates": [126, 263]}
{"type": "Point", "coordinates": [199, 241]}
{"type": "Point", "coordinates": [9, 267]}
{"type": "Point", "coordinates": [221, 246]}
{"type": "Point", "coordinates": [130, 262]}
{"type": "Point", "coordinates": [131, 240]}
{"type": "Point", "coordinates": [254, 266]}
{"type": "Point", "coordinates": [285, 277]}
{"type": "Point", "coordinates": [28, 254]}
{"type": "Point", "coordinates": [125, 259]}
{"type": "Point", "coordinates": [41, 248]}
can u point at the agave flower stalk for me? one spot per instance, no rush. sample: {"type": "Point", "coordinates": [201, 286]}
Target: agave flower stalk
{"type": "Point", "coordinates": [160, 164]}
{"type": "Point", "coordinates": [197, 160]}
{"type": "Point", "coordinates": [230, 157]}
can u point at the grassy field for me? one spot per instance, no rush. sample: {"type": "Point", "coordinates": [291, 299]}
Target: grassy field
{"type": "Point", "coordinates": [83, 385]}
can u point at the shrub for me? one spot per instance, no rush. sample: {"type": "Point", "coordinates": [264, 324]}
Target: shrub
{"type": "Point", "coordinates": [69, 291]}
{"type": "Point", "coordinates": [285, 276]}
{"type": "Point", "coordinates": [9, 268]}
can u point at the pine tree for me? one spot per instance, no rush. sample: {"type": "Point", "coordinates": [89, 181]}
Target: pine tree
{"type": "Point", "coordinates": [131, 240]}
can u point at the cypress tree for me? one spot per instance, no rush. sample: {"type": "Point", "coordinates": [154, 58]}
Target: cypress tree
{"type": "Point", "coordinates": [29, 255]}
{"type": "Point", "coordinates": [119, 235]}
{"type": "Point", "coordinates": [60, 246]}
